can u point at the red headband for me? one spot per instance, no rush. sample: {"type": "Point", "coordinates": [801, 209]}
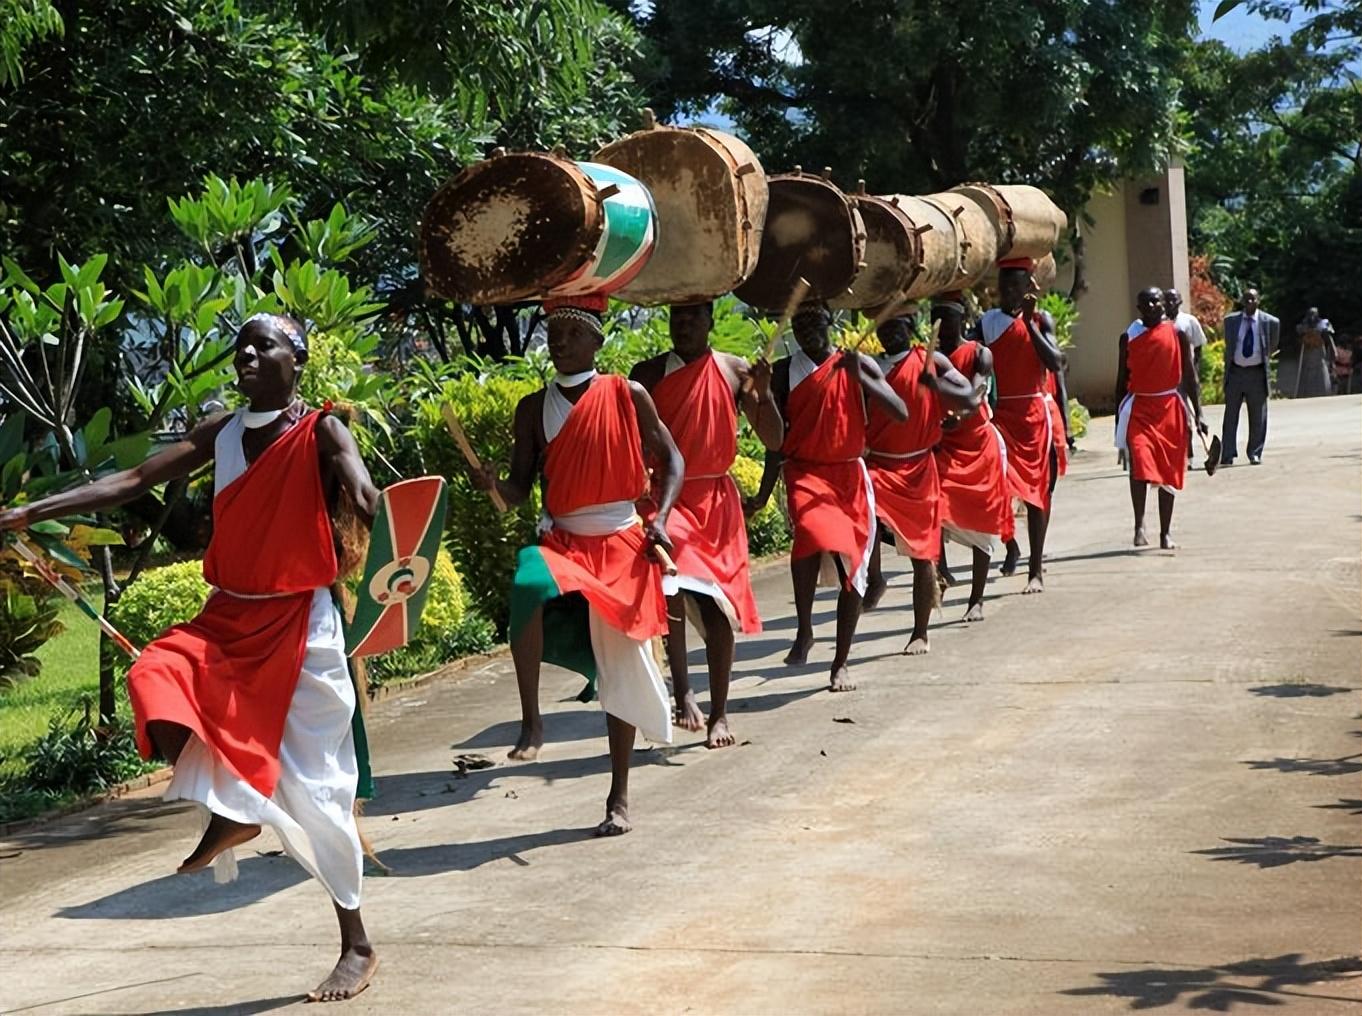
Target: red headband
{"type": "Point", "coordinates": [1026, 264]}
{"type": "Point", "coordinates": [593, 302]}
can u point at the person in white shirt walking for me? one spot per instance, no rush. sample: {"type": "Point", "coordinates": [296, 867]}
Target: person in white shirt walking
{"type": "Point", "coordinates": [1189, 326]}
{"type": "Point", "coordinates": [1251, 338]}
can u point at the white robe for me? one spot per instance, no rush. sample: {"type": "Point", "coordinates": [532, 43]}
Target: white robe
{"type": "Point", "coordinates": [312, 808]}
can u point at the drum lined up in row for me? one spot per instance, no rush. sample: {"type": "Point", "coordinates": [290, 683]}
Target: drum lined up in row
{"type": "Point", "coordinates": [675, 215]}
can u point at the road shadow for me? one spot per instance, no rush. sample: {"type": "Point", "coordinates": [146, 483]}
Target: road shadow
{"type": "Point", "coordinates": [1352, 805]}
{"type": "Point", "coordinates": [259, 1005]}
{"type": "Point", "coordinates": [1344, 765]}
{"type": "Point", "coordinates": [196, 895]}
{"type": "Point", "coordinates": [1255, 982]}
{"type": "Point", "coordinates": [559, 728]}
{"type": "Point", "coordinates": [439, 858]}
{"type": "Point", "coordinates": [1100, 555]}
{"type": "Point", "coordinates": [1298, 690]}
{"type": "Point", "coordinates": [1276, 851]}
{"type": "Point", "coordinates": [109, 818]}
{"type": "Point", "coordinates": [399, 793]}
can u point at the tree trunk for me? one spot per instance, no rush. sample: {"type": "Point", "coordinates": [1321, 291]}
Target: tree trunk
{"type": "Point", "coordinates": [1077, 244]}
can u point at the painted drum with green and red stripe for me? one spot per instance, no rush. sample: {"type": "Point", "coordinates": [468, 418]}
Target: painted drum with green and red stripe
{"type": "Point", "coordinates": [628, 234]}
{"type": "Point", "coordinates": [530, 225]}
{"type": "Point", "coordinates": [403, 546]}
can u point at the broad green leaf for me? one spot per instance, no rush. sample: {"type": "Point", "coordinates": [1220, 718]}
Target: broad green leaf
{"type": "Point", "coordinates": [89, 536]}
{"type": "Point", "coordinates": [96, 432]}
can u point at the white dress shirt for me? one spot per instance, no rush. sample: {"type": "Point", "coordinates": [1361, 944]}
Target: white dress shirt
{"type": "Point", "coordinates": [1255, 358]}
{"type": "Point", "coordinates": [1191, 327]}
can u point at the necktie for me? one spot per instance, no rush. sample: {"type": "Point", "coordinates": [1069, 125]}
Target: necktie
{"type": "Point", "coordinates": [1247, 350]}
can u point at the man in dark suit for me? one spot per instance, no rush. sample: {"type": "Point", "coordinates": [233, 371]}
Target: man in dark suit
{"type": "Point", "coordinates": [1251, 337]}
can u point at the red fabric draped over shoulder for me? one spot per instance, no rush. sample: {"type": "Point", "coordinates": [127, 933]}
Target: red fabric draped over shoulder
{"type": "Point", "coordinates": [229, 674]}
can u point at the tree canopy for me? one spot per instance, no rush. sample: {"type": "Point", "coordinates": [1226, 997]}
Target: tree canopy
{"type": "Point", "coordinates": [915, 97]}
{"type": "Point", "coordinates": [1275, 187]}
{"type": "Point", "coordinates": [111, 107]}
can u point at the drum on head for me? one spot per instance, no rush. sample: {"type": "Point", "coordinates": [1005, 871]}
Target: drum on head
{"type": "Point", "coordinates": [893, 256]}
{"type": "Point", "coordinates": [711, 198]}
{"type": "Point", "coordinates": [814, 232]}
{"type": "Point", "coordinates": [525, 226]}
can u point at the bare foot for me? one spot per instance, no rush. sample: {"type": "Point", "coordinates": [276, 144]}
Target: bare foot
{"type": "Point", "coordinates": [719, 734]}
{"type": "Point", "coordinates": [1035, 584]}
{"type": "Point", "coordinates": [528, 744]}
{"type": "Point", "coordinates": [917, 646]}
{"type": "Point", "coordinates": [352, 975]}
{"type": "Point", "coordinates": [1009, 565]}
{"type": "Point", "coordinates": [221, 834]}
{"type": "Point", "coordinates": [1141, 540]}
{"type": "Point", "coordinates": [874, 593]}
{"type": "Point", "coordinates": [616, 819]}
{"type": "Point", "coordinates": [687, 714]}
{"type": "Point", "coordinates": [1166, 542]}
{"type": "Point", "coordinates": [841, 680]}
{"type": "Point", "coordinates": [799, 652]}
{"type": "Point", "coordinates": [975, 613]}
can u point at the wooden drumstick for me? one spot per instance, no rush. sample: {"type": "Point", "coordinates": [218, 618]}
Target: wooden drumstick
{"type": "Point", "coordinates": [797, 295]}
{"type": "Point", "coordinates": [890, 309]}
{"type": "Point", "coordinates": [668, 565]}
{"type": "Point", "coordinates": [461, 439]}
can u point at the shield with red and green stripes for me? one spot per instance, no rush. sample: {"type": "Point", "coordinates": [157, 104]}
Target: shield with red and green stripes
{"type": "Point", "coordinates": [627, 239]}
{"type": "Point", "coordinates": [402, 550]}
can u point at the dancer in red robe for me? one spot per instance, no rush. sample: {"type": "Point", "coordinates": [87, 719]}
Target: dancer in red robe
{"type": "Point", "coordinates": [903, 468]}
{"type": "Point", "coordinates": [697, 392]}
{"type": "Point", "coordinates": [976, 506]}
{"type": "Point", "coordinates": [1156, 382]}
{"type": "Point", "coordinates": [589, 596]}
{"type": "Point", "coordinates": [252, 700]}
{"type": "Point", "coordinates": [1023, 345]}
{"type": "Point", "coordinates": [821, 394]}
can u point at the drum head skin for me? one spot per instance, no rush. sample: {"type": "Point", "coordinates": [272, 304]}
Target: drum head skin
{"type": "Point", "coordinates": [812, 231]}
{"type": "Point", "coordinates": [509, 228]}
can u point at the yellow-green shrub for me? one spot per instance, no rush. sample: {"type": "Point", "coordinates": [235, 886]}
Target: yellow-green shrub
{"type": "Point", "coordinates": [1212, 372]}
{"type": "Point", "coordinates": [158, 599]}
{"type": "Point", "coordinates": [768, 531]}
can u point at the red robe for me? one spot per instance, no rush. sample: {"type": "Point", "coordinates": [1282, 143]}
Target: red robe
{"type": "Point", "coordinates": [974, 489]}
{"type": "Point", "coordinates": [827, 488]}
{"type": "Point", "coordinates": [1023, 414]}
{"type": "Point", "coordinates": [696, 404]}
{"type": "Point", "coordinates": [902, 466]}
{"type": "Point", "coordinates": [595, 459]}
{"type": "Point", "coordinates": [229, 674]}
{"type": "Point", "coordinates": [1157, 433]}
{"type": "Point", "coordinates": [1058, 434]}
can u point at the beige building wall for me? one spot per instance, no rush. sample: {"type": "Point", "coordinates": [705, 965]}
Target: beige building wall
{"type": "Point", "coordinates": [1137, 238]}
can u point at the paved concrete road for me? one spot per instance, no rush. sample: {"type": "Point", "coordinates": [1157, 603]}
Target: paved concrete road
{"type": "Point", "coordinates": [1138, 791]}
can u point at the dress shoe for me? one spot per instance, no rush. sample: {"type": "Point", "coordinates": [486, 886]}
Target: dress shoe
{"type": "Point", "coordinates": [1255, 460]}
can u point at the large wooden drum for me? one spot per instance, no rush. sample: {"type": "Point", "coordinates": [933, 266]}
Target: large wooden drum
{"type": "Point", "coordinates": [940, 238]}
{"type": "Point", "coordinates": [893, 256]}
{"type": "Point", "coordinates": [812, 231]}
{"type": "Point", "coordinates": [528, 226]}
{"type": "Point", "coordinates": [711, 196]}
{"type": "Point", "coordinates": [978, 237]}
{"type": "Point", "coordinates": [1029, 224]}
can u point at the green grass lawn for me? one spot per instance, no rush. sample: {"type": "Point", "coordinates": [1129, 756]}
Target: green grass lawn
{"type": "Point", "coordinates": [70, 669]}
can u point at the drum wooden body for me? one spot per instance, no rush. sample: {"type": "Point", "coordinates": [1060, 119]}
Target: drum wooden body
{"type": "Point", "coordinates": [893, 256]}
{"type": "Point", "coordinates": [1046, 273]}
{"type": "Point", "coordinates": [939, 236]}
{"type": "Point", "coordinates": [1029, 224]}
{"type": "Point", "coordinates": [812, 231]}
{"type": "Point", "coordinates": [978, 237]}
{"type": "Point", "coordinates": [711, 197]}
{"type": "Point", "coordinates": [526, 226]}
